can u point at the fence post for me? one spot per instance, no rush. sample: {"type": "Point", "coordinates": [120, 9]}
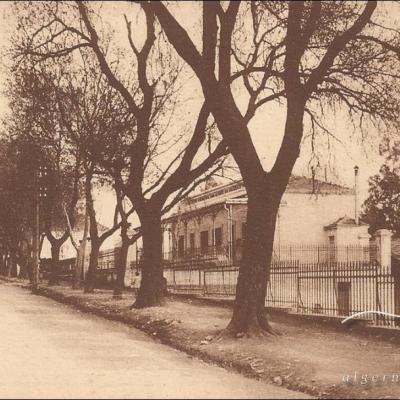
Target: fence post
{"type": "Point", "coordinates": [200, 278]}
{"type": "Point", "coordinates": [383, 240]}
{"type": "Point", "coordinates": [298, 295]}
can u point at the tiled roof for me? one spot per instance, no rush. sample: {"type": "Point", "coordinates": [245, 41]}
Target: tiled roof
{"type": "Point", "coordinates": [301, 184]}
{"type": "Point", "coordinates": [343, 221]}
{"type": "Point", "coordinates": [297, 184]}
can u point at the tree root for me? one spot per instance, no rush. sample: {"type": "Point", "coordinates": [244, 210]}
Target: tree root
{"type": "Point", "coordinates": [138, 304]}
{"type": "Point", "coordinates": [265, 325]}
{"type": "Point", "coordinates": [260, 330]}
{"type": "Point", "coordinates": [257, 327]}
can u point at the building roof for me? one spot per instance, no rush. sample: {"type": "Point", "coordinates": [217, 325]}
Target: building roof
{"type": "Point", "coordinates": [297, 184]}
{"type": "Point", "coordinates": [343, 221]}
{"type": "Point", "coordinates": [235, 191]}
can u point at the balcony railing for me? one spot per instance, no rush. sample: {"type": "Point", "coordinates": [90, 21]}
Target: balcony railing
{"type": "Point", "coordinates": [211, 256]}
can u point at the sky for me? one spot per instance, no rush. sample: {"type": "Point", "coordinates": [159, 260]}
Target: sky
{"type": "Point", "coordinates": [266, 127]}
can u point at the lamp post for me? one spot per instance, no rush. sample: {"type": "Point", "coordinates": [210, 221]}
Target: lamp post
{"type": "Point", "coordinates": [356, 214]}
{"type": "Point", "coordinates": [41, 192]}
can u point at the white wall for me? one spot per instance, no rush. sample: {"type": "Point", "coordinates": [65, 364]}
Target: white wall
{"type": "Point", "coordinates": [302, 217]}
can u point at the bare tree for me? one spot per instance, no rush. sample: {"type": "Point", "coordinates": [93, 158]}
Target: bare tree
{"type": "Point", "coordinates": [35, 121]}
{"type": "Point", "coordinates": [327, 54]}
{"type": "Point", "coordinates": [95, 121]}
{"type": "Point", "coordinates": [146, 102]}
{"type": "Point", "coordinates": [16, 194]}
{"type": "Point", "coordinates": [150, 209]}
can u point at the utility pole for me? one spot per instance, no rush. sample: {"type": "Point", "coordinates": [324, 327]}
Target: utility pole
{"type": "Point", "coordinates": [84, 243]}
{"type": "Point", "coordinates": [40, 193]}
{"type": "Point", "coordinates": [356, 214]}
{"type": "Point", "coordinates": [35, 239]}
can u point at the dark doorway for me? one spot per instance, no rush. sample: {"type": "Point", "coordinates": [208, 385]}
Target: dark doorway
{"type": "Point", "coordinates": [218, 237]}
{"type": "Point", "coordinates": [204, 240]}
{"type": "Point", "coordinates": [181, 246]}
{"type": "Point", "coordinates": [191, 241]}
{"type": "Point", "coordinates": [344, 298]}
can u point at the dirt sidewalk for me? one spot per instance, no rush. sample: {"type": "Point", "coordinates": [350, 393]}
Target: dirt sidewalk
{"type": "Point", "coordinates": [318, 361]}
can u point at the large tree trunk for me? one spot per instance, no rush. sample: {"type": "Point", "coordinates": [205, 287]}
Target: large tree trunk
{"type": "Point", "coordinates": [90, 279]}
{"type": "Point", "coordinates": [254, 272]}
{"type": "Point", "coordinates": [152, 288]}
{"type": "Point", "coordinates": [119, 283]}
{"type": "Point", "coordinates": [55, 263]}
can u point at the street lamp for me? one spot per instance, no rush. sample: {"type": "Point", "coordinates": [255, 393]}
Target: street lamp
{"type": "Point", "coordinates": [41, 193]}
{"type": "Point", "coordinates": [42, 181]}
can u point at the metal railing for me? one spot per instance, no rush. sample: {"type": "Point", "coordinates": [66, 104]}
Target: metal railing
{"type": "Point", "coordinates": [313, 279]}
{"type": "Point", "coordinates": [335, 289]}
{"type": "Point", "coordinates": [107, 259]}
{"type": "Point", "coordinates": [210, 256]}
{"type": "Point", "coordinates": [65, 267]}
{"type": "Point", "coordinates": [307, 279]}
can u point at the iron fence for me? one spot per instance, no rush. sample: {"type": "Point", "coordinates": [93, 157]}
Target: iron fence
{"type": "Point", "coordinates": [311, 279]}
{"type": "Point", "coordinates": [314, 279]}
{"type": "Point", "coordinates": [65, 267]}
{"type": "Point", "coordinates": [333, 289]}
{"type": "Point", "coordinates": [107, 259]}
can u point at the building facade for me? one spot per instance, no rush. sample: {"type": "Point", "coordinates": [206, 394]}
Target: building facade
{"type": "Point", "coordinates": [214, 222]}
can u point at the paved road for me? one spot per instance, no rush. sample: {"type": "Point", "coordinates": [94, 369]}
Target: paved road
{"type": "Point", "coordinates": [49, 350]}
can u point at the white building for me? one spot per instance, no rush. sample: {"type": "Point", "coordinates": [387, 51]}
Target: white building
{"type": "Point", "coordinates": [311, 212]}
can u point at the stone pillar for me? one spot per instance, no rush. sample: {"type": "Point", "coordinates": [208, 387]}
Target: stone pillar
{"type": "Point", "coordinates": [383, 240]}
{"type": "Point", "coordinates": [363, 240]}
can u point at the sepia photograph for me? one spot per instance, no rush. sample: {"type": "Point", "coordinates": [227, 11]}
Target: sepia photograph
{"type": "Point", "coordinates": [200, 199]}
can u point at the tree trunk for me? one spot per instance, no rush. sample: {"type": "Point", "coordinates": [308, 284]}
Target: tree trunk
{"type": "Point", "coordinates": [152, 288]}
{"type": "Point", "coordinates": [119, 283]}
{"type": "Point", "coordinates": [90, 279]}
{"type": "Point", "coordinates": [2, 269]}
{"type": "Point", "coordinates": [81, 255]}
{"type": "Point", "coordinates": [4, 263]}
{"type": "Point", "coordinates": [23, 272]}
{"type": "Point", "coordinates": [249, 309]}
{"type": "Point", "coordinates": [55, 263]}
{"type": "Point", "coordinates": [12, 265]}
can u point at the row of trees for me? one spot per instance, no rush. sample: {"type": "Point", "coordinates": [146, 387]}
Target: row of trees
{"type": "Point", "coordinates": [87, 134]}
{"type": "Point", "coordinates": [312, 58]}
